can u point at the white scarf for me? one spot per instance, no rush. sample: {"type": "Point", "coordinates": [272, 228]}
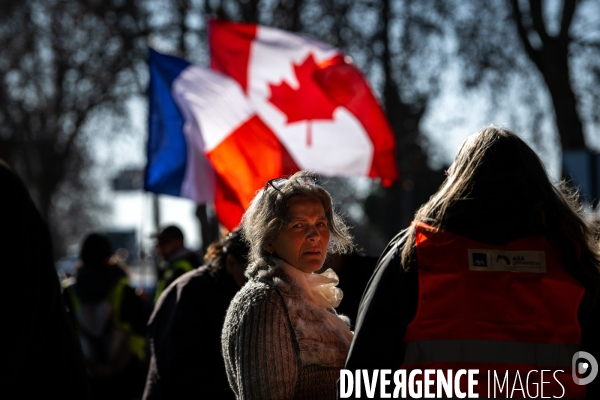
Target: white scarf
{"type": "Point", "coordinates": [320, 290]}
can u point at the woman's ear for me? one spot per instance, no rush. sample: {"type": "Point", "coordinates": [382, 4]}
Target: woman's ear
{"type": "Point", "coordinates": [269, 248]}
{"type": "Point", "coordinates": [230, 264]}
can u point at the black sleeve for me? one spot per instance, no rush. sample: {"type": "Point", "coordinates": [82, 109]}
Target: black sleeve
{"type": "Point", "coordinates": [589, 319]}
{"type": "Point", "coordinates": [387, 307]}
{"type": "Point", "coordinates": [42, 356]}
{"type": "Point", "coordinates": [185, 336]}
{"type": "Point", "coordinates": [135, 311]}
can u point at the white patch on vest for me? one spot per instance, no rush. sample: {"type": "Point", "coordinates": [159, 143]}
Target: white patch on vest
{"type": "Point", "coordinates": [513, 261]}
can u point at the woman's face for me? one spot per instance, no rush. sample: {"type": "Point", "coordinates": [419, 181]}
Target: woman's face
{"type": "Point", "coordinates": [303, 241]}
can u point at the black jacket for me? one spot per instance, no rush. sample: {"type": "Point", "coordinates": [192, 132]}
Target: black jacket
{"type": "Point", "coordinates": [178, 264]}
{"type": "Point", "coordinates": [185, 338]}
{"type": "Point", "coordinates": [41, 357]}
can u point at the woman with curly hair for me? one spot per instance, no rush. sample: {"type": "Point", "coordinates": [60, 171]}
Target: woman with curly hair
{"type": "Point", "coordinates": [282, 338]}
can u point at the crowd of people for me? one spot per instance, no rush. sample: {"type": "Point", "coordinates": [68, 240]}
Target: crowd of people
{"type": "Point", "coordinates": [500, 269]}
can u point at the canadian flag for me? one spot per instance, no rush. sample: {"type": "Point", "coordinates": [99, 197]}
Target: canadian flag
{"type": "Point", "coordinates": [316, 102]}
{"type": "Point", "coordinates": [273, 103]}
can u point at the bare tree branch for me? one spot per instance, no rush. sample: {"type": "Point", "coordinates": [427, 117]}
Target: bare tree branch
{"type": "Point", "coordinates": [533, 54]}
{"type": "Point", "coordinates": [537, 18]}
{"type": "Point", "coordinates": [568, 12]}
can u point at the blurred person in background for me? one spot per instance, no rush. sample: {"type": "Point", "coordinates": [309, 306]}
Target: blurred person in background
{"type": "Point", "coordinates": [282, 338]}
{"type": "Point", "coordinates": [498, 271]}
{"type": "Point", "coordinates": [175, 258]}
{"type": "Point", "coordinates": [185, 327]}
{"type": "Point", "coordinates": [110, 320]}
{"type": "Point", "coordinates": [41, 356]}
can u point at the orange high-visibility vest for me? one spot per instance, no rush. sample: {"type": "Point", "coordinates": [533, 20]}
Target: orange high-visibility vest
{"type": "Point", "coordinates": [495, 308]}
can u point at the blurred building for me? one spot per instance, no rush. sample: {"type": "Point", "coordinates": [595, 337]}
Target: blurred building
{"type": "Point", "coordinates": [582, 169]}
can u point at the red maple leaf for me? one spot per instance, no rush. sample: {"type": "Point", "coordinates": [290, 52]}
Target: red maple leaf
{"type": "Point", "coordinates": [306, 103]}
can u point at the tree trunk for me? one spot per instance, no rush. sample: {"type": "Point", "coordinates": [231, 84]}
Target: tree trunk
{"type": "Point", "coordinates": [556, 72]}
{"type": "Point", "coordinates": [404, 119]}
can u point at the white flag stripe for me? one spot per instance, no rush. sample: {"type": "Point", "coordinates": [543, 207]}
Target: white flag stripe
{"type": "Point", "coordinates": [215, 101]}
{"type": "Point", "coordinates": [349, 156]}
{"type": "Point", "coordinates": [198, 169]}
{"type": "Point", "coordinates": [285, 49]}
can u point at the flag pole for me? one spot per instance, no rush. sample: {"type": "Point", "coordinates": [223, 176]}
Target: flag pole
{"type": "Point", "coordinates": [155, 211]}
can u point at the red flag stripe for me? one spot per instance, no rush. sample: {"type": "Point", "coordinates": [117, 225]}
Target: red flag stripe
{"type": "Point", "coordinates": [234, 61]}
{"type": "Point", "coordinates": [227, 207]}
{"type": "Point", "coordinates": [345, 84]}
{"type": "Point", "coordinates": [244, 161]}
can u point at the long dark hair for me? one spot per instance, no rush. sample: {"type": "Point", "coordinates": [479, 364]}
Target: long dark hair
{"type": "Point", "coordinates": [217, 252]}
{"type": "Point", "coordinates": [496, 160]}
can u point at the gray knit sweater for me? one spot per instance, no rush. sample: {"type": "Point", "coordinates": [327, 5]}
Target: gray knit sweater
{"type": "Point", "coordinates": [276, 345]}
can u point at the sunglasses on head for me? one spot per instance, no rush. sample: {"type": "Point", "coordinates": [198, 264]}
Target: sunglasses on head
{"type": "Point", "coordinates": [278, 183]}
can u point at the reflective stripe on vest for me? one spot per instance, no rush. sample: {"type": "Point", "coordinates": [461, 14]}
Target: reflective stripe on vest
{"type": "Point", "coordinates": [502, 308]}
{"type": "Point", "coordinates": [491, 351]}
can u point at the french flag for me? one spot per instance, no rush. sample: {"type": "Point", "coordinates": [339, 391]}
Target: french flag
{"type": "Point", "coordinates": [271, 104]}
{"type": "Point", "coordinates": [205, 141]}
